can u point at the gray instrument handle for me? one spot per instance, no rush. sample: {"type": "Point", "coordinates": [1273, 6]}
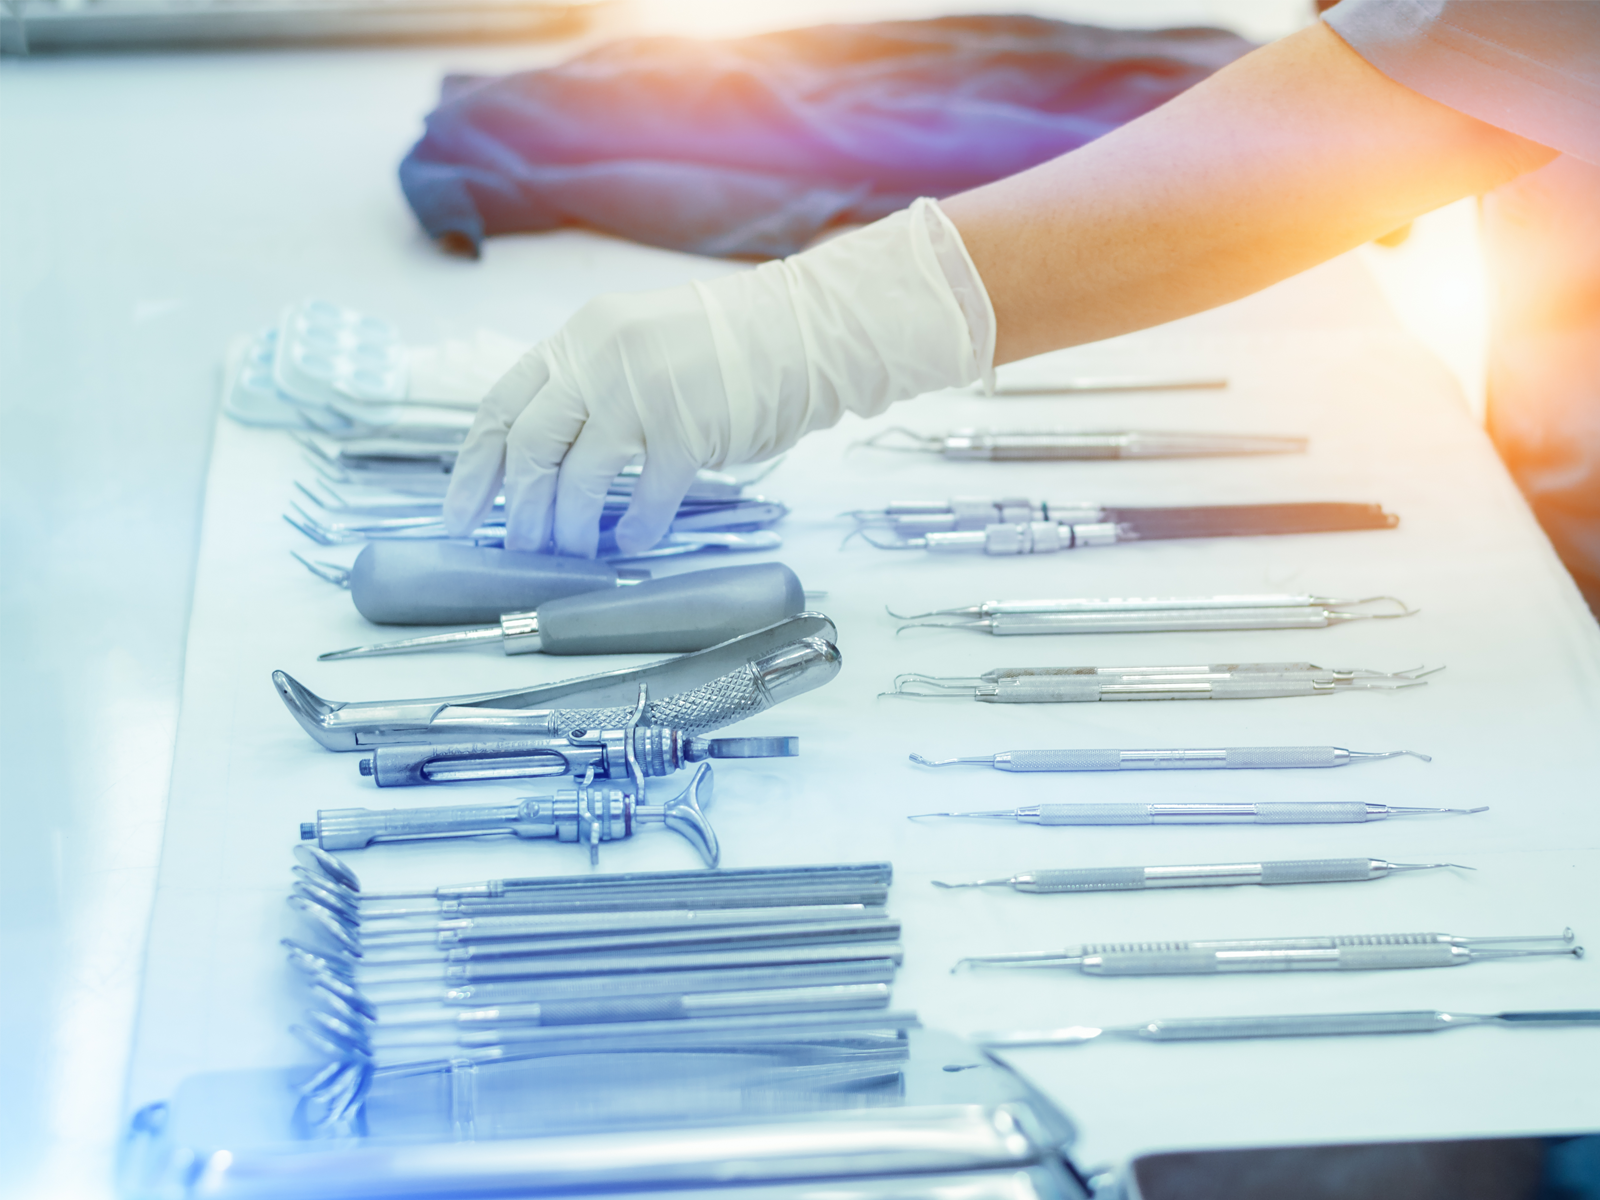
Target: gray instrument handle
{"type": "Point", "coordinates": [1024, 689]}
{"type": "Point", "coordinates": [673, 615]}
{"type": "Point", "coordinates": [1272, 813]}
{"type": "Point", "coordinates": [1234, 758]}
{"type": "Point", "coordinates": [423, 582]}
{"type": "Point", "coordinates": [1308, 1025]}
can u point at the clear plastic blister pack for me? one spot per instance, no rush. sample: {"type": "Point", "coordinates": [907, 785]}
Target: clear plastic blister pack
{"type": "Point", "coordinates": [336, 356]}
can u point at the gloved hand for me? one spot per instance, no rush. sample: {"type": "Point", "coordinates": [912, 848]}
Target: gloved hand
{"type": "Point", "coordinates": [712, 374]}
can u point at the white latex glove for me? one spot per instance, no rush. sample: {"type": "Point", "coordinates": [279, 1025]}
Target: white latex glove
{"type": "Point", "coordinates": [713, 374]}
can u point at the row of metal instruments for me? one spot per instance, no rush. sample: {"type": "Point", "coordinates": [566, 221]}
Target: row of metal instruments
{"type": "Point", "coordinates": [532, 1007]}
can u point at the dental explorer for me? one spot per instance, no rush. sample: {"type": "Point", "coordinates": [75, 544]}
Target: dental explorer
{"type": "Point", "coordinates": [1214, 681]}
{"type": "Point", "coordinates": [1232, 759]}
{"type": "Point", "coordinates": [1358, 952]}
{"type": "Point", "coordinates": [1309, 812]}
{"type": "Point", "coordinates": [1130, 879]}
{"type": "Point", "coordinates": [1045, 445]}
{"type": "Point", "coordinates": [1185, 614]}
{"type": "Point", "coordinates": [1145, 524]}
{"type": "Point", "coordinates": [674, 615]}
{"type": "Point", "coordinates": [1190, 1029]}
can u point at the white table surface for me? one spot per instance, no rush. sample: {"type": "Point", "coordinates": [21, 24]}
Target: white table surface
{"type": "Point", "coordinates": [156, 205]}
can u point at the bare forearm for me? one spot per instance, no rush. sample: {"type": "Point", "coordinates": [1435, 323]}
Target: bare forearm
{"type": "Point", "coordinates": [1287, 158]}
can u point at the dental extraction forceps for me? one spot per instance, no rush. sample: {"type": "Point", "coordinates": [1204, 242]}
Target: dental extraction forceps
{"type": "Point", "coordinates": [1292, 1025]}
{"type": "Point", "coordinates": [1358, 952]}
{"type": "Point", "coordinates": [1233, 758]}
{"type": "Point", "coordinates": [1130, 879]}
{"type": "Point", "coordinates": [693, 693]}
{"type": "Point", "coordinates": [1188, 614]}
{"type": "Point", "coordinates": [1216, 681]}
{"type": "Point", "coordinates": [1300, 812]}
{"type": "Point", "coordinates": [964, 444]}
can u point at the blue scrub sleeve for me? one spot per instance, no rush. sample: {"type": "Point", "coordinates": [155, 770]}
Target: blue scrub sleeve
{"type": "Point", "coordinates": [1531, 67]}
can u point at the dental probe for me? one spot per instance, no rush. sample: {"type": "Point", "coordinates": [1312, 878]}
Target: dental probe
{"type": "Point", "coordinates": [1127, 879]}
{"type": "Point", "coordinates": [1358, 952]}
{"type": "Point", "coordinates": [1233, 758]}
{"type": "Point", "coordinates": [1216, 681]}
{"type": "Point", "coordinates": [1069, 531]}
{"type": "Point", "coordinates": [1046, 445]}
{"type": "Point", "coordinates": [1317, 812]}
{"type": "Point", "coordinates": [1293, 1025]}
{"type": "Point", "coordinates": [1198, 615]}
{"type": "Point", "coordinates": [674, 615]}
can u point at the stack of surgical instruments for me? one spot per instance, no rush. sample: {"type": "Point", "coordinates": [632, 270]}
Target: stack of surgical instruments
{"type": "Point", "coordinates": [966, 444]}
{"type": "Point", "coordinates": [1021, 526]}
{"type": "Point", "coordinates": [405, 979]}
{"type": "Point", "coordinates": [1190, 1029]}
{"type": "Point", "coordinates": [1359, 952]}
{"type": "Point", "coordinates": [1176, 614]}
{"type": "Point", "coordinates": [1133, 879]}
{"type": "Point", "coordinates": [1215, 681]}
{"type": "Point", "coordinates": [403, 481]}
{"type": "Point", "coordinates": [1231, 759]}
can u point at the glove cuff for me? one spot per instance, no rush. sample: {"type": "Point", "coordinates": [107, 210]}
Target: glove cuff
{"type": "Point", "coordinates": [966, 285]}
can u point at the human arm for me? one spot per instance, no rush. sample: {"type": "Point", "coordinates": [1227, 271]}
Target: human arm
{"type": "Point", "coordinates": [1282, 160]}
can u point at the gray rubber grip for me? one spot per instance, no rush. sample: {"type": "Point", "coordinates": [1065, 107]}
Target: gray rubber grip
{"type": "Point", "coordinates": [1089, 879]}
{"type": "Point", "coordinates": [1324, 870]}
{"type": "Point", "coordinates": [1334, 812]}
{"type": "Point", "coordinates": [422, 582]}
{"type": "Point", "coordinates": [1281, 756]}
{"type": "Point", "coordinates": [1066, 760]}
{"type": "Point", "coordinates": [1094, 814]}
{"type": "Point", "coordinates": [674, 615]}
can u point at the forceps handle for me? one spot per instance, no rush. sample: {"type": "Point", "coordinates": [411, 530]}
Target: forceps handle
{"type": "Point", "coordinates": [1334, 812]}
{"type": "Point", "coordinates": [1233, 758]}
